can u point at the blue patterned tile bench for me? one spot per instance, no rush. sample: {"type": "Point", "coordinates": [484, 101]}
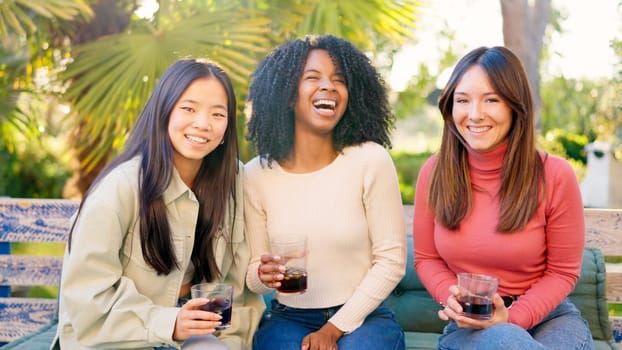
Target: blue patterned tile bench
{"type": "Point", "coordinates": [29, 220]}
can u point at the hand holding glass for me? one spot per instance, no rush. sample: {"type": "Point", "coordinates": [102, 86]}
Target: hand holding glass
{"type": "Point", "coordinates": [220, 297]}
{"type": "Point", "coordinates": [476, 293]}
{"type": "Point", "coordinates": [292, 249]}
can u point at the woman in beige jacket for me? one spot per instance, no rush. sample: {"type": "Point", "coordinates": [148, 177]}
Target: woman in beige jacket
{"type": "Point", "coordinates": [164, 214]}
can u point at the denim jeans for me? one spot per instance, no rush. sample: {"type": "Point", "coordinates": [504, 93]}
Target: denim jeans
{"type": "Point", "coordinates": [562, 329]}
{"type": "Point", "coordinates": [284, 327]}
{"type": "Point", "coordinates": [200, 342]}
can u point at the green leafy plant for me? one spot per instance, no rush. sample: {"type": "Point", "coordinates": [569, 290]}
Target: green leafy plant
{"type": "Point", "coordinates": [407, 165]}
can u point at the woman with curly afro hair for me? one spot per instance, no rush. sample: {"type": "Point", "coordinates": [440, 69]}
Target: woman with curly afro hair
{"type": "Point", "coordinates": [320, 122]}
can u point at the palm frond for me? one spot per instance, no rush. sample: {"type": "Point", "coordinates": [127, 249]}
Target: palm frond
{"type": "Point", "coordinates": [358, 20]}
{"type": "Point", "coordinates": [17, 17]}
{"type": "Point", "coordinates": [11, 69]}
{"type": "Point", "coordinates": [111, 79]}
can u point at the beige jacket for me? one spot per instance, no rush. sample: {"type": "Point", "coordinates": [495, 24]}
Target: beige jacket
{"type": "Point", "coordinates": [111, 298]}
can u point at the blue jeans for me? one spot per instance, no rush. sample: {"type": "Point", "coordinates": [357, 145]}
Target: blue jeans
{"type": "Point", "coordinates": [284, 327]}
{"type": "Point", "coordinates": [563, 329]}
{"type": "Point", "coordinates": [199, 342]}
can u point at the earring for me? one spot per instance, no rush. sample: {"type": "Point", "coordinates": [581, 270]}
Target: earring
{"type": "Point", "coordinates": [222, 142]}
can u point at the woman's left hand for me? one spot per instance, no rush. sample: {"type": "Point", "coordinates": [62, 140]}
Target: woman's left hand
{"type": "Point", "coordinates": [453, 310]}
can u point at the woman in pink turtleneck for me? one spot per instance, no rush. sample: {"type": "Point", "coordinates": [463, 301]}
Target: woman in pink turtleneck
{"type": "Point", "coordinates": [490, 203]}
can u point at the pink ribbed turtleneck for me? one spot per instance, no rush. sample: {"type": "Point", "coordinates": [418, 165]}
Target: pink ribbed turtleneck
{"type": "Point", "coordinates": [541, 262]}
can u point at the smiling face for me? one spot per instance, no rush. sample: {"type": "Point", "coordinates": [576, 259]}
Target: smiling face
{"type": "Point", "coordinates": [481, 116]}
{"type": "Point", "coordinates": [197, 124]}
{"type": "Point", "coordinates": [322, 95]}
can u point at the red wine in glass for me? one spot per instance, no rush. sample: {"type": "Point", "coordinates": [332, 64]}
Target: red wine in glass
{"type": "Point", "coordinates": [476, 307]}
{"type": "Point", "coordinates": [222, 307]}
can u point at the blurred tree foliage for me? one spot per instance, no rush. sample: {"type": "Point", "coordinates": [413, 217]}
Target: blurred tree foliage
{"type": "Point", "coordinates": [31, 54]}
{"type": "Point", "coordinates": [613, 109]}
{"type": "Point", "coordinates": [32, 174]}
{"type": "Point", "coordinates": [577, 112]}
{"type": "Point", "coordinates": [574, 112]}
{"type": "Point", "coordinates": [31, 170]}
{"type": "Point", "coordinates": [572, 105]}
{"type": "Point", "coordinates": [108, 64]}
{"type": "Point", "coordinates": [31, 153]}
{"type": "Point", "coordinates": [407, 165]}
{"type": "Point", "coordinates": [109, 58]}
{"type": "Point", "coordinates": [111, 78]}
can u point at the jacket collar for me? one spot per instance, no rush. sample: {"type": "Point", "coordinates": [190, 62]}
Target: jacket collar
{"type": "Point", "coordinates": [177, 188]}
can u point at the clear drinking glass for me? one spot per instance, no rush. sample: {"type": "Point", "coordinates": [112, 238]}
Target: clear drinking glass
{"type": "Point", "coordinates": [220, 297]}
{"type": "Point", "coordinates": [476, 293]}
{"type": "Point", "coordinates": [293, 252]}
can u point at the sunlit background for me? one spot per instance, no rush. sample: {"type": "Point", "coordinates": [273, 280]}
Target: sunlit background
{"type": "Point", "coordinates": [583, 50]}
{"type": "Point", "coordinates": [75, 78]}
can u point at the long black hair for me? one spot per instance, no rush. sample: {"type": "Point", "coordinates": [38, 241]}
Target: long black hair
{"type": "Point", "coordinates": [274, 90]}
{"type": "Point", "coordinates": [214, 185]}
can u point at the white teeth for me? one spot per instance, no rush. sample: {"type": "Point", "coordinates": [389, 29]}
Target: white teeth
{"type": "Point", "coordinates": [329, 103]}
{"type": "Point", "coordinates": [196, 139]}
{"type": "Point", "coordinates": [479, 129]}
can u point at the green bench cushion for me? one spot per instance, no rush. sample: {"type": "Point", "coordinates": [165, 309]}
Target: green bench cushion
{"type": "Point", "coordinates": [590, 294]}
{"type": "Point", "coordinates": [416, 311]}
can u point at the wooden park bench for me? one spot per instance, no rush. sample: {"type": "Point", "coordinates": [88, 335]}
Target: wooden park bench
{"type": "Point", "coordinates": [48, 220]}
{"type": "Point", "coordinates": [604, 231]}
{"type": "Point", "coordinates": [29, 220]}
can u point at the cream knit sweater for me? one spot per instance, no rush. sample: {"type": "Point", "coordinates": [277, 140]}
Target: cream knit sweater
{"type": "Point", "coordinates": [351, 212]}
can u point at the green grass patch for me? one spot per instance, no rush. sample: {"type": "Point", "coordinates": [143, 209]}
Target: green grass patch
{"type": "Point", "coordinates": [613, 259]}
{"type": "Point", "coordinates": [407, 166]}
{"type": "Point", "coordinates": [43, 292]}
{"type": "Point", "coordinates": [615, 309]}
{"type": "Point", "coordinates": [39, 249]}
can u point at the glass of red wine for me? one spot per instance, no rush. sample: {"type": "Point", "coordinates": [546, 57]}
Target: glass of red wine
{"type": "Point", "coordinates": [220, 297]}
{"type": "Point", "coordinates": [476, 293]}
{"type": "Point", "coordinates": [292, 249]}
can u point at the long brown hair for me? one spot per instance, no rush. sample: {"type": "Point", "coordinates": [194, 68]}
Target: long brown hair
{"type": "Point", "coordinates": [522, 173]}
{"type": "Point", "coordinates": [214, 186]}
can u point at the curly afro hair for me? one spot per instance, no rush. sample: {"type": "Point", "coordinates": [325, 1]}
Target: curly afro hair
{"type": "Point", "coordinates": [274, 88]}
